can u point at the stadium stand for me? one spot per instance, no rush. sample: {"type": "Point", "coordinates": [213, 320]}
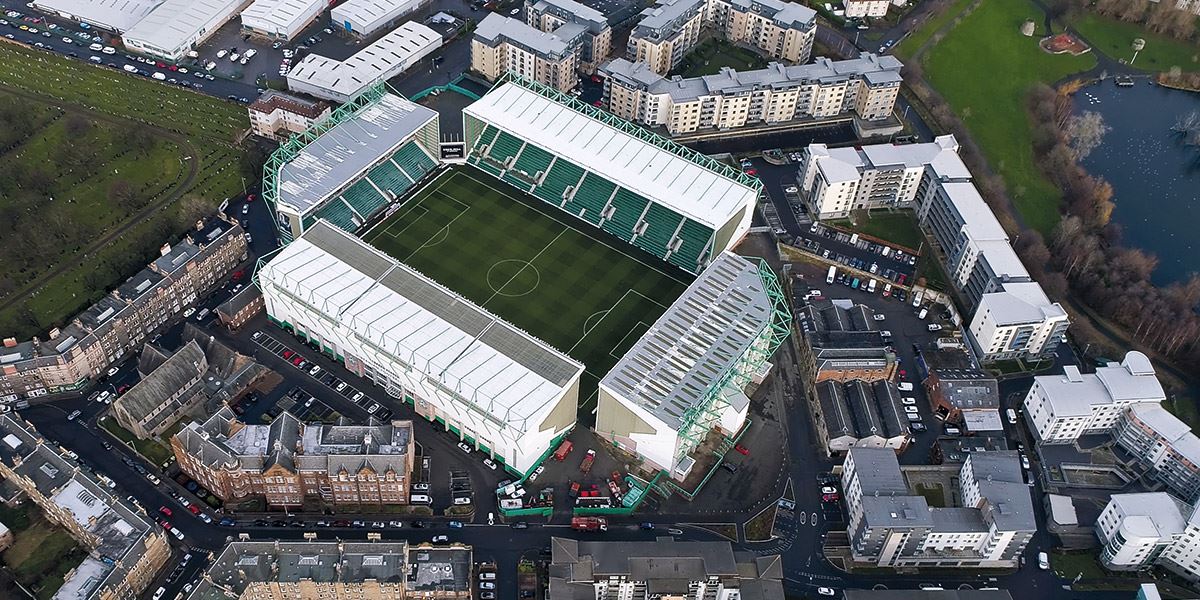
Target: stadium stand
{"type": "Point", "coordinates": [677, 204]}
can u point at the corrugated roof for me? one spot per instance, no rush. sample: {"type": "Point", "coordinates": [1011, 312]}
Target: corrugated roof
{"type": "Point", "coordinates": [704, 332]}
{"type": "Point", "coordinates": [342, 154]}
{"type": "Point", "coordinates": [380, 60]}
{"type": "Point", "coordinates": [371, 14]}
{"type": "Point", "coordinates": [119, 15]}
{"type": "Point", "coordinates": [175, 22]}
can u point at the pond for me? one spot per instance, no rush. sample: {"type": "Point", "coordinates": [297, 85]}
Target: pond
{"type": "Point", "coordinates": [1155, 176]}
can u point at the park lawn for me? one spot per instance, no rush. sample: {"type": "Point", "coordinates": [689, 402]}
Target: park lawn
{"type": "Point", "coordinates": [153, 451]}
{"type": "Point", "coordinates": [120, 94]}
{"type": "Point", "coordinates": [984, 68]}
{"type": "Point", "coordinates": [1070, 565]}
{"type": "Point", "coordinates": [711, 56]}
{"type": "Point", "coordinates": [1113, 39]}
{"type": "Point", "coordinates": [1184, 408]}
{"type": "Point", "coordinates": [895, 227]}
{"type": "Point", "coordinates": [909, 45]}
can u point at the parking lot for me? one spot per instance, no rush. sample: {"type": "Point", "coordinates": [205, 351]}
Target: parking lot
{"type": "Point", "coordinates": [886, 263]}
{"type": "Point", "coordinates": [908, 335]}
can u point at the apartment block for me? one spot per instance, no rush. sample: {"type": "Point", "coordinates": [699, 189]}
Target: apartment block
{"type": "Point", "coordinates": [865, 88]}
{"type": "Point", "coordinates": [1011, 315]}
{"type": "Point", "coordinates": [501, 44]}
{"type": "Point", "coordinates": [277, 116]}
{"type": "Point", "coordinates": [866, 8]}
{"type": "Point", "coordinates": [892, 527]}
{"type": "Point", "coordinates": [288, 462]}
{"type": "Point", "coordinates": [75, 354]}
{"type": "Point", "coordinates": [836, 181]}
{"type": "Point", "coordinates": [125, 549]}
{"type": "Point", "coordinates": [1162, 444]}
{"type": "Point", "coordinates": [1134, 529]}
{"type": "Point", "coordinates": [325, 570]}
{"type": "Point", "coordinates": [1061, 408]}
{"type": "Point", "coordinates": [550, 15]}
{"type": "Point", "coordinates": [668, 30]}
{"type": "Point", "coordinates": [663, 568]}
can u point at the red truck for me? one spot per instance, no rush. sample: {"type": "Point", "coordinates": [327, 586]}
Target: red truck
{"type": "Point", "coordinates": [586, 465]}
{"type": "Point", "coordinates": [574, 489]}
{"type": "Point", "coordinates": [589, 524]}
{"type": "Point", "coordinates": [563, 450]}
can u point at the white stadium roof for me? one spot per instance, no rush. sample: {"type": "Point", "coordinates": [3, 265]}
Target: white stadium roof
{"type": "Point", "coordinates": [505, 372]}
{"type": "Point", "coordinates": [704, 332]}
{"type": "Point", "coordinates": [638, 165]}
{"type": "Point", "coordinates": [346, 150]}
{"type": "Point", "coordinates": [118, 15]}
{"type": "Point", "coordinates": [396, 50]}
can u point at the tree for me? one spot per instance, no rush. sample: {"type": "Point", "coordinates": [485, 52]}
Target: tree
{"type": "Point", "coordinates": [122, 194]}
{"type": "Point", "coordinates": [192, 208]}
{"type": "Point", "coordinates": [1085, 133]}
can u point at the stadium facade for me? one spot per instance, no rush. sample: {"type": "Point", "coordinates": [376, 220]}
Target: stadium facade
{"type": "Point", "coordinates": [348, 167]}
{"type": "Point", "coordinates": [689, 373]}
{"type": "Point", "coordinates": [666, 199]}
{"type": "Point", "coordinates": [509, 393]}
{"type": "Point", "coordinates": [506, 391]}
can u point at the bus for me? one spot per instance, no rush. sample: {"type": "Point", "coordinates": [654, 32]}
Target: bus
{"type": "Point", "coordinates": [832, 274]}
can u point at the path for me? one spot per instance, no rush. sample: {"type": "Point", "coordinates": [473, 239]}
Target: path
{"type": "Point", "coordinates": [134, 220]}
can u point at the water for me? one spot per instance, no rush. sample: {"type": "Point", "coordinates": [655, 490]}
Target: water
{"type": "Point", "coordinates": [1155, 178]}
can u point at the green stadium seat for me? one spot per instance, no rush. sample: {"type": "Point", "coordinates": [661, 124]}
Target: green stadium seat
{"type": "Point", "coordinates": [628, 208]}
{"type": "Point", "coordinates": [485, 137]}
{"type": "Point", "coordinates": [694, 246]}
{"type": "Point", "coordinates": [415, 162]}
{"type": "Point", "coordinates": [591, 196]}
{"type": "Point", "coordinates": [486, 165]}
{"type": "Point", "coordinates": [533, 160]}
{"type": "Point", "coordinates": [562, 175]}
{"type": "Point", "coordinates": [388, 176]}
{"type": "Point", "coordinates": [661, 224]}
{"type": "Point", "coordinates": [505, 147]}
{"type": "Point", "coordinates": [364, 198]}
{"type": "Point", "coordinates": [338, 213]}
{"type": "Point", "coordinates": [515, 179]}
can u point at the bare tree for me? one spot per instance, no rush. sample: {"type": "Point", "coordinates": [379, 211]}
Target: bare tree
{"type": "Point", "coordinates": [1085, 133]}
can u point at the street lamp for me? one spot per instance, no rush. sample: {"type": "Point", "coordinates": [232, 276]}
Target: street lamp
{"type": "Point", "coordinates": [1138, 44]}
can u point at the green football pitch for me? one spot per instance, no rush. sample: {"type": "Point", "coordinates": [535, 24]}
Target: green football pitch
{"type": "Point", "coordinates": [578, 290]}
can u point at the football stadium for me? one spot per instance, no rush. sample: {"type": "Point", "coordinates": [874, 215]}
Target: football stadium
{"type": "Point", "coordinates": [572, 265]}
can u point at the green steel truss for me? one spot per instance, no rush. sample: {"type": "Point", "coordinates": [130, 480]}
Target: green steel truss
{"type": "Point", "coordinates": [297, 143]}
{"type": "Point", "coordinates": [699, 419]}
{"type": "Point", "coordinates": [636, 131]}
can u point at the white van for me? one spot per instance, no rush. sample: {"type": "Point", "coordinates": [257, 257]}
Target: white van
{"type": "Point", "coordinates": [832, 274]}
{"type": "Point", "coordinates": [1012, 416]}
{"type": "Point", "coordinates": [159, 76]}
{"type": "Point", "coordinates": [871, 287]}
{"type": "Point", "coordinates": [921, 315]}
{"type": "Point", "coordinates": [419, 499]}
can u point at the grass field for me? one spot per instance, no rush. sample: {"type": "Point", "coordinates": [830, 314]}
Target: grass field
{"type": "Point", "coordinates": [984, 68]}
{"type": "Point", "coordinates": [56, 182]}
{"type": "Point", "coordinates": [1113, 38]}
{"type": "Point", "coordinates": [562, 282]}
{"type": "Point", "coordinates": [711, 56]}
{"type": "Point", "coordinates": [909, 45]}
{"type": "Point", "coordinates": [895, 227]}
